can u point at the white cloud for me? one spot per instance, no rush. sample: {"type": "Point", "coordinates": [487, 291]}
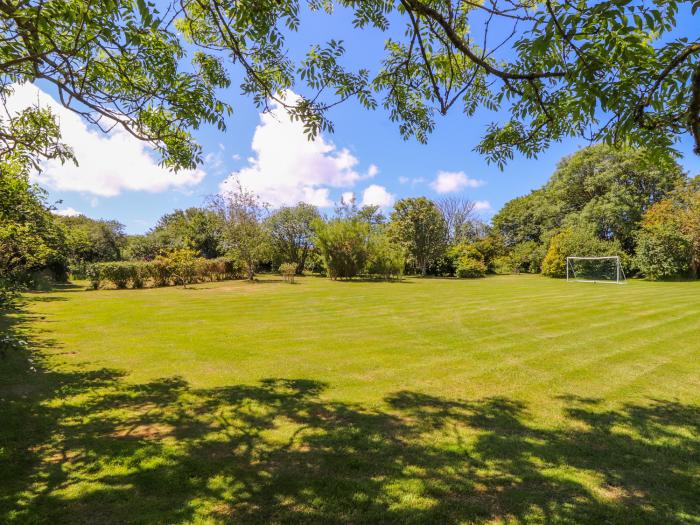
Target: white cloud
{"type": "Point", "coordinates": [214, 162]}
{"type": "Point", "coordinates": [108, 163]}
{"type": "Point", "coordinates": [67, 212]}
{"type": "Point", "coordinates": [347, 197]}
{"type": "Point", "coordinates": [451, 181]}
{"type": "Point", "coordinates": [287, 167]}
{"type": "Point", "coordinates": [375, 195]}
{"type": "Point", "coordinates": [412, 181]}
{"type": "Point", "coordinates": [482, 205]}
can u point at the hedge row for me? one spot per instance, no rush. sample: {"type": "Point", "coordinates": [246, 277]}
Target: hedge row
{"type": "Point", "coordinates": [162, 271]}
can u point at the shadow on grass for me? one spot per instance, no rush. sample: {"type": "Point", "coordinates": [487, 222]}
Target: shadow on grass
{"type": "Point", "coordinates": [56, 287]}
{"type": "Point", "coordinates": [373, 280]}
{"type": "Point", "coordinates": [36, 298]}
{"type": "Point", "coordinates": [90, 447]}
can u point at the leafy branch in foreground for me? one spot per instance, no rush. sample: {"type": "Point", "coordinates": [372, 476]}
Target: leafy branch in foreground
{"type": "Point", "coordinates": [608, 71]}
{"type": "Point", "coordinates": [114, 62]}
{"type": "Point", "coordinates": [615, 71]}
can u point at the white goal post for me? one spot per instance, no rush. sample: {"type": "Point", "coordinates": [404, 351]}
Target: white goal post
{"type": "Point", "coordinates": [595, 270]}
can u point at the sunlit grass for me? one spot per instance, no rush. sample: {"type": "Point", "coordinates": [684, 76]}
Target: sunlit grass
{"type": "Point", "coordinates": [507, 399]}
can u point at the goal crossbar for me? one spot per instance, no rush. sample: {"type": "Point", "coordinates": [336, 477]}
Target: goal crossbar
{"type": "Point", "coordinates": [619, 274]}
{"type": "Point", "coordinates": [616, 257]}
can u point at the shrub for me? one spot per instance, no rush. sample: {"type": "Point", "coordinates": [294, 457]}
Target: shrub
{"type": "Point", "coordinates": [343, 244]}
{"type": "Point", "coordinates": [228, 268]}
{"type": "Point", "coordinates": [575, 242]}
{"type": "Point", "coordinates": [490, 247]}
{"type": "Point", "coordinates": [669, 242]}
{"type": "Point", "coordinates": [443, 265]}
{"type": "Point", "coordinates": [78, 270]}
{"type": "Point", "coordinates": [93, 272]}
{"type": "Point", "coordinates": [470, 268]}
{"type": "Point", "coordinates": [504, 264]}
{"type": "Point", "coordinates": [523, 257]}
{"type": "Point", "coordinates": [184, 265]}
{"type": "Point", "coordinates": [119, 273]}
{"type": "Point", "coordinates": [663, 253]}
{"type": "Point", "coordinates": [176, 267]}
{"type": "Point", "coordinates": [161, 270]}
{"type": "Point", "coordinates": [461, 252]}
{"type": "Point", "coordinates": [314, 263]}
{"type": "Point", "coordinates": [217, 269]}
{"type": "Point", "coordinates": [140, 273]}
{"type": "Point", "coordinates": [203, 269]}
{"type": "Point", "coordinates": [42, 280]}
{"type": "Point", "coordinates": [288, 271]}
{"type": "Point", "coordinates": [385, 259]}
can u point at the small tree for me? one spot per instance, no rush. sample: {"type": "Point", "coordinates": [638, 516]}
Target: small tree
{"type": "Point", "coordinates": [686, 203]}
{"type": "Point", "coordinates": [459, 217]}
{"type": "Point", "coordinates": [663, 252]}
{"type": "Point", "coordinates": [669, 242]}
{"type": "Point", "coordinates": [288, 271]}
{"type": "Point", "coordinates": [418, 225]}
{"type": "Point", "coordinates": [470, 268]}
{"type": "Point", "coordinates": [468, 260]}
{"type": "Point", "coordinates": [524, 257]}
{"type": "Point", "coordinates": [291, 234]}
{"type": "Point", "coordinates": [184, 265]}
{"type": "Point", "coordinates": [343, 244]}
{"type": "Point", "coordinates": [386, 259]}
{"type": "Point", "coordinates": [244, 234]}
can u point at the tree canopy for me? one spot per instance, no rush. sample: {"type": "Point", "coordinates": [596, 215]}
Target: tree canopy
{"type": "Point", "coordinates": [30, 239]}
{"type": "Point", "coordinates": [669, 241]}
{"type": "Point", "coordinates": [420, 227]}
{"type": "Point", "coordinates": [616, 71]}
{"type": "Point", "coordinates": [291, 233]}
{"type": "Point", "coordinates": [90, 240]}
{"type": "Point", "coordinates": [244, 236]}
{"type": "Point", "coordinates": [600, 187]}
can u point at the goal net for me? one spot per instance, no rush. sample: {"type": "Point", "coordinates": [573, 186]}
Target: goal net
{"type": "Point", "coordinates": [595, 270]}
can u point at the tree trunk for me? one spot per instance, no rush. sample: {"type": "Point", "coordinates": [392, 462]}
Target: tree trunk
{"type": "Point", "coordinates": [302, 261]}
{"type": "Point", "coordinates": [694, 110]}
{"type": "Point", "coordinates": [251, 272]}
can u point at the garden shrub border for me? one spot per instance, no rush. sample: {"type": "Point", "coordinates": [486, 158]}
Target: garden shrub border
{"type": "Point", "coordinates": [158, 272]}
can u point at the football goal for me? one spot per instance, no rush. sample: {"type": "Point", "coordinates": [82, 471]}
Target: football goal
{"type": "Point", "coordinates": [595, 270]}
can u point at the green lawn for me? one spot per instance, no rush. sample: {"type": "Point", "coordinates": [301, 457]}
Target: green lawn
{"type": "Point", "coordinates": [514, 399]}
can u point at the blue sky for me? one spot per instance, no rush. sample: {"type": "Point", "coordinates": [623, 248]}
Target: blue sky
{"type": "Point", "coordinates": [364, 142]}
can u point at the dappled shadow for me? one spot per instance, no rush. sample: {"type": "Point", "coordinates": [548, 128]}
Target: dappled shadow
{"type": "Point", "coordinates": [40, 298]}
{"type": "Point", "coordinates": [91, 447]}
{"type": "Point", "coordinates": [373, 280]}
{"type": "Point", "coordinates": [56, 287]}
{"type": "Point", "coordinates": [264, 279]}
{"type": "Point", "coordinates": [365, 279]}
